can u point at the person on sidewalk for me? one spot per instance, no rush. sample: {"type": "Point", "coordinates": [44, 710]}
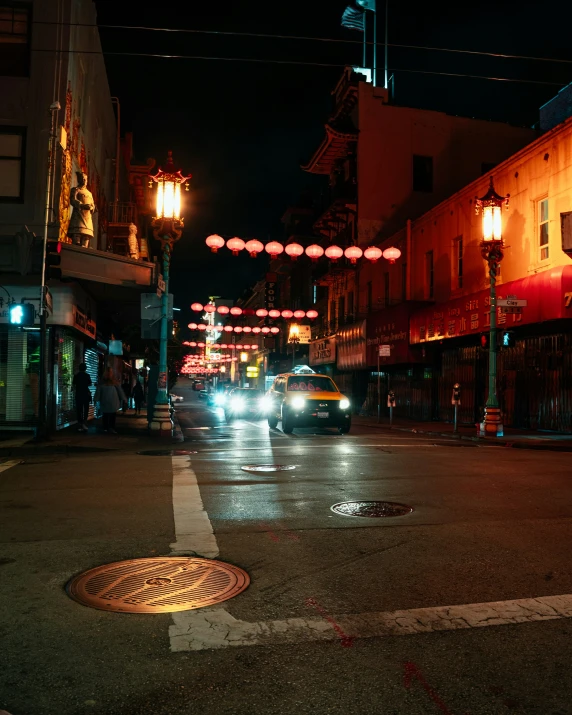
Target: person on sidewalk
{"type": "Point", "coordinates": [138, 396]}
{"type": "Point", "coordinates": [110, 397]}
{"type": "Point", "coordinates": [81, 385]}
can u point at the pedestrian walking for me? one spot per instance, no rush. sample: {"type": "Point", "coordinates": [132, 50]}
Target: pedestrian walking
{"type": "Point", "coordinates": [138, 396]}
{"type": "Point", "coordinates": [81, 385]}
{"type": "Point", "coordinates": [110, 397]}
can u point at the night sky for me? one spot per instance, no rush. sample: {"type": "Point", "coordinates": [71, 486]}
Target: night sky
{"type": "Point", "coordinates": [243, 128]}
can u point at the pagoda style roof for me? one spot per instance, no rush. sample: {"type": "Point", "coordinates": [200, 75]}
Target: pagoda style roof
{"type": "Point", "coordinates": [334, 146]}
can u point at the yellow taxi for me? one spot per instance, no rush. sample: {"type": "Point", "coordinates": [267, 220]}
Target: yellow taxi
{"type": "Point", "coordinates": [301, 399]}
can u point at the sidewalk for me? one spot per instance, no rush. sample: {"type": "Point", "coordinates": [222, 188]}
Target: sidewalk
{"type": "Point", "coordinates": [523, 439]}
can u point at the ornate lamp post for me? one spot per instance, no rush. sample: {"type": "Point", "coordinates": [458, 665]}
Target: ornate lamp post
{"type": "Point", "coordinates": [167, 227]}
{"type": "Point", "coordinates": [492, 251]}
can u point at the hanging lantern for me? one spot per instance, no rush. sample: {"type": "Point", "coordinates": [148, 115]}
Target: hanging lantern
{"type": "Point", "coordinates": [197, 307]}
{"type": "Point", "coordinates": [236, 311]}
{"type": "Point", "coordinates": [210, 328]}
{"type": "Point", "coordinates": [235, 245]}
{"type": "Point", "coordinates": [265, 329]}
{"type": "Point", "coordinates": [238, 329]}
{"type": "Point", "coordinates": [262, 312]}
{"type": "Point", "coordinates": [391, 254]}
{"type": "Point", "coordinates": [223, 309]}
{"type": "Point", "coordinates": [201, 326]}
{"type": "Point", "coordinates": [333, 253]}
{"type": "Point", "coordinates": [200, 345]}
{"type": "Point", "coordinates": [287, 314]}
{"type": "Point", "coordinates": [274, 248]}
{"type": "Point", "coordinates": [254, 247]}
{"type": "Point", "coordinates": [311, 314]}
{"type": "Point", "coordinates": [373, 253]}
{"type": "Point", "coordinates": [274, 330]}
{"type": "Point", "coordinates": [314, 252]}
{"type": "Point", "coordinates": [210, 308]}
{"type": "Point", "coordinates": [215, 242]}
{"type": "Point", "coordinates": [294, 250]}
{"type": "Point", "coordinates": [273, 313]}
{"type": "Point", "coordinates": [228, 328]}
{"type": "Point", "coordinates": [193, 344]}
{"type": "Point", "coordinates": [239, 346]}
{"type": "Point", "coordinates": [192, 326]}
{"type": "Point", "coordinates": [247, 329]}
{"type": "Point", "coordinates": [353, 253]}
{"type": "Point", "coordinates": [256, 330]}
{"type": "Point", "coordinates": [298, 314]}
{"type": "Point", "coordinates": [223, 346]}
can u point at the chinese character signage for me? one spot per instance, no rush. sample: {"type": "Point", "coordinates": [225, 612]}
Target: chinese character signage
{"type": "Point", "coordinates": [323, 351]}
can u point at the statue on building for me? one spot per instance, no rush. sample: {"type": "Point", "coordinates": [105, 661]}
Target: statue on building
{"type": "Point", "coordinates": [80, 228]}
{"type": "Point", "coordinates": [133, 245]}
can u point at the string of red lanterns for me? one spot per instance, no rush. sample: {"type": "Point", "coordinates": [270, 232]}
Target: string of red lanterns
{"type": "Point", "coordinates": [294, 250]}
{"type": "Point", "coordinates": [260, 313]}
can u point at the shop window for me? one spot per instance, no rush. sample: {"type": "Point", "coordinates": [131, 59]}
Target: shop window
{"type": "Point", "coordinates": [12, 154]}
{"type": "Point", "coordinates": [458, 263]}
{"type": "Point", "coordinates": [14, 40]}
{"type": "Point", "coordinates": [429, 276]}
{"type": "Point", "coordinates": [543, 223]}
{"type": "Point", "coordinates": [423, 173]}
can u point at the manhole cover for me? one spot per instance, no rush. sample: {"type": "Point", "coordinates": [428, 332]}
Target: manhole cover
{"type": "Point", "coordinates": [167, 452]}
{"type": "Point", "coordinates": [268, 467]}
{"type": "Point", "coordinates": [371, 509]}
{"type": "Point", "coordinates": [157, 585]}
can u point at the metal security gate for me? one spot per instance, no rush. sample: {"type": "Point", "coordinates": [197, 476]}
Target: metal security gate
{"type": "Point", "coordinates": [467, 366]}
{"type": "Point", "coordinates": [91, 360]}
{"type": "Point", "coordinates": [19, 376]}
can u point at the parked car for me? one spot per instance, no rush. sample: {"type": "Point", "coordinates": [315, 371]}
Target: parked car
{"type": "Point", "coordinates": [198, 385]}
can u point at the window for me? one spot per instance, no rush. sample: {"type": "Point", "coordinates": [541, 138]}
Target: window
{"type": "Point", "coordinates": [429, 275]}
{"type": "Point", "coordinates": [423, 173]}
{"type": "Point", "coordinates": [404, 281]}
{"type": "Point", "coordinates": [458, 263]}
{"type": "Point", "coordinates": [369, 297]}
{"type": "Point", "coordinates": [12, 152]}
{"type": "Point", "coordinates": [14, 40]}
{"type": "Point", "coordinates": [542, 218]}
{"type": "Point", "coordinates": [386, 289]}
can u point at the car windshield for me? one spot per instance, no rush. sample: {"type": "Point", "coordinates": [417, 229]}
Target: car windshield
{"type": "Point", "coordinates": [310, 383]}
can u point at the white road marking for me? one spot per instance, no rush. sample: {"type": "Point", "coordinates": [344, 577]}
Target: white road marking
{"type": "Point", "coordinates": [314, 446]}
{"type": "Point", "coordinates": [212, 628]}
{"type": "Point", "coordinates": [193, 529]}
{"type": "Point", "coordinates": [10, 463]}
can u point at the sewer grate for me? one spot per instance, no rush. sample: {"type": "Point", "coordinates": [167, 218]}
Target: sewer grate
{"type": "Point", "coordinates": [268, 467]}
{"type": "Point", "coordinates": [157, 585]}
{"type": "Point", "coordinates": [371, 509]}
{"type": "Point", "coordinates": [167, 452]}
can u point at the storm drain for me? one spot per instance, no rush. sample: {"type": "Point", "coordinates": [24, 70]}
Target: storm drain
{"type": "Point", "coordinates": [157, 585]}
{"type": "Point", "coordinates": [371, 509]}
{"type": "Point", "coordinates": [167, 452]}
{"type": "Point", "coordinates": [268, 467]}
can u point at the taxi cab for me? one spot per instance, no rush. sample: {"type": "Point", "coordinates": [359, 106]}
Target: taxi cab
{"type": "Point", "coordinates": [307, 400]}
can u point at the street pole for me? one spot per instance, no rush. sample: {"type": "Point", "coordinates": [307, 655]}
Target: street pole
{"type": "Point", "coordinates": [378, 387]}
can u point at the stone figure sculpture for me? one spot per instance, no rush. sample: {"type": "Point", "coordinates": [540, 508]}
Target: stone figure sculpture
{"type": "Point", "coordinates": [133, 245]}
{"type": "Point", "coordinates": [80, 228]}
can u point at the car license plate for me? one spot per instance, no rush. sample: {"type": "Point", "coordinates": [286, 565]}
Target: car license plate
{"type": "Point", "coordinates": [323, 414]}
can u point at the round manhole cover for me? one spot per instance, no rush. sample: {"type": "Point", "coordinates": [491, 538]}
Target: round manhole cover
{"type": "Point", "coordinates": [167, 452]}
{"type": "Point", "coordinates": [157, 585]}
{"type": "Point", "coordinates": [268, 467]}
{"type": "Point", "coordinates": [371, 509]}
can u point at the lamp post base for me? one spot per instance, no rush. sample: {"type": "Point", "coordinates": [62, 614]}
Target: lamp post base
{"type": "Point", "coordinates": [492, 425]}
{"type": "Point", "coordinates": [161, 424]}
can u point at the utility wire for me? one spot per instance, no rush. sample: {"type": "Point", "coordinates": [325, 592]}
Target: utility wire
{"type": "Point", "coordinates": [298, 37]}
{"type": "Point", "coordinates": [295, 62]}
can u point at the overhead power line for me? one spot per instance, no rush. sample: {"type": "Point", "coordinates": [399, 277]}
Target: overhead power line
{"type": "Point", "coordinates": [262, 35]}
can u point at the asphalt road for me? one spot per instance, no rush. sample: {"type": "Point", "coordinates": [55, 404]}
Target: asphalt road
{"type": "Point", "coordinates": [488, 525]}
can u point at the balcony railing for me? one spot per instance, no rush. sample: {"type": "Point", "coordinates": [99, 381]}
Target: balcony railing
{"type": "Point", "coordinates": [122, 212]}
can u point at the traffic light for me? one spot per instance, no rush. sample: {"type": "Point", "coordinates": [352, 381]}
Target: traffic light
{"type": "Point", "coordinates": [508, 339]}
{"type": "Point", "coordinates": [53, 259]}
{"type": "Point", "coordinates": [485, 341]}
{"type": "Point", "coordinates": [22, 314]}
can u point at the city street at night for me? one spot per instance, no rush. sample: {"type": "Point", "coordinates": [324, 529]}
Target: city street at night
{"type": "Point", "coordinates": [478, 573]}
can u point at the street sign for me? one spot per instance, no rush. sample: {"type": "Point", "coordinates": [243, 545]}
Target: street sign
{"type": "Point", "coordinates": [161, 284]}
{"type": "Point", "coordinates": [384, 350]}
{"type": "Point", "coordinates": [512, 309]}
{"type": "Point", "coordinates": [512, 302]}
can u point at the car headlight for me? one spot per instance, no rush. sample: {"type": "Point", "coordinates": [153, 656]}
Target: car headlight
{"type": "Point", "coordinates": [220, 399]}
{"type": "Point", "coordinates": [344, 404]}
{"type": "Point", "coordinates": [237, 404]}
{"type": "Point", "coordinates": [298, 403]}
{"type": "Point", "coordinates": [265, 403]}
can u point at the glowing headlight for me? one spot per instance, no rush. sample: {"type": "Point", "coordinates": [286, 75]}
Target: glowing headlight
{"type": "Point", "coordinates": [344, 404]}
{"type": "Point", "coordinates": [237, 404]}
{"type": "Point", "coordinates": [265, 403]}
{"type": "Point", "coordinates": [298, 403]}
{"type": "Point", "coordinates": [220, 399]}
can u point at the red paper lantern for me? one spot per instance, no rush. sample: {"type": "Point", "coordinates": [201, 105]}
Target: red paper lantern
{"type": "Point", "coordinates": [228, 328]}
{"type": "Point", "coordinates": [287, 314]}
{"type": "Point", "coordinates": [294, 250]}
{"type": "Point", "coordinates": [391, 254]}
{"type": "Point", "coordinates": [247, 329]}
{"type": "Point", "coordinates": [235, 245]}
{"type": "Point", "coordinates": [311, 314]}
{"type": "Point", "coordinates": [274, 330]}
{"type": "Point", "coordinates": [193, 344]}
{"type": "Point", "coordinates": [314, 251]}
{"type": "Point", "coordinates": [333, 253]}
{"type": "Point", "coordinates": [200, 345]}
{"type": "Point", "coordinates": [238, 329]}
{"type": "Point", "coordinates": [223, 309]}
{"type": "Point", "coordinates": [192, 326]}
{"type": "Point", "coordinates": [274, 313]}
{"type": "Point", "coordinates": [256, 330]}
{"type": "Point", "coordinates": [232, 346]}
{"type": "Point", "coordinates": [201, 326]}
{"type": "Point", "coordinates": [210, 328]}
{"type": "Point", "coordinates": [353, 253]}
{"type": "Point", "coordinates": [197, 307]}
{"type": "Point", "coordinates": [239, 346]}
{"type": "Point", "coordinates": [210, 308]}
{"type": "Point", "coordinates": [262, 312]}
{"type": "Point", "coordinates": [373, 253]}
{"type": "Point", "coordinates": [236, 311]}
{"type": "Point", "coordinates": [254, 247]}
{"type": "Point", "coordinates": [223, 346]}
{"type": "Point", "coordinates": [298, 314]}
{"type": "Point", "coordinates": [274, 248]}
{"type": "Point", "coordinates": [265, 329]}
{"type": "Point", "coordinates": [215, 242]}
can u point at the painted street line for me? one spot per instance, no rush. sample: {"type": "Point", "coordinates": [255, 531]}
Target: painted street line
{"type": "Point", "coordinates": [271, 448]}
{"type": "Point", "coordinates": [213, 628]}
{"type": "Point", "coordinates": [193, 529]}
{"type": "Point", "coordinates": [10, 463]}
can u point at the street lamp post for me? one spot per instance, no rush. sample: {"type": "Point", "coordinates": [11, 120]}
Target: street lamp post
{"type": "Point", "coordinates": [492, 251]}
{"type": "Point", "coordinates": [167, 227]}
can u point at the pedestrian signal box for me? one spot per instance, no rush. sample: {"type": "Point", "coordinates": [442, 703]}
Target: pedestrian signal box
{"type": "Point", "coordinates": [22, 314]}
